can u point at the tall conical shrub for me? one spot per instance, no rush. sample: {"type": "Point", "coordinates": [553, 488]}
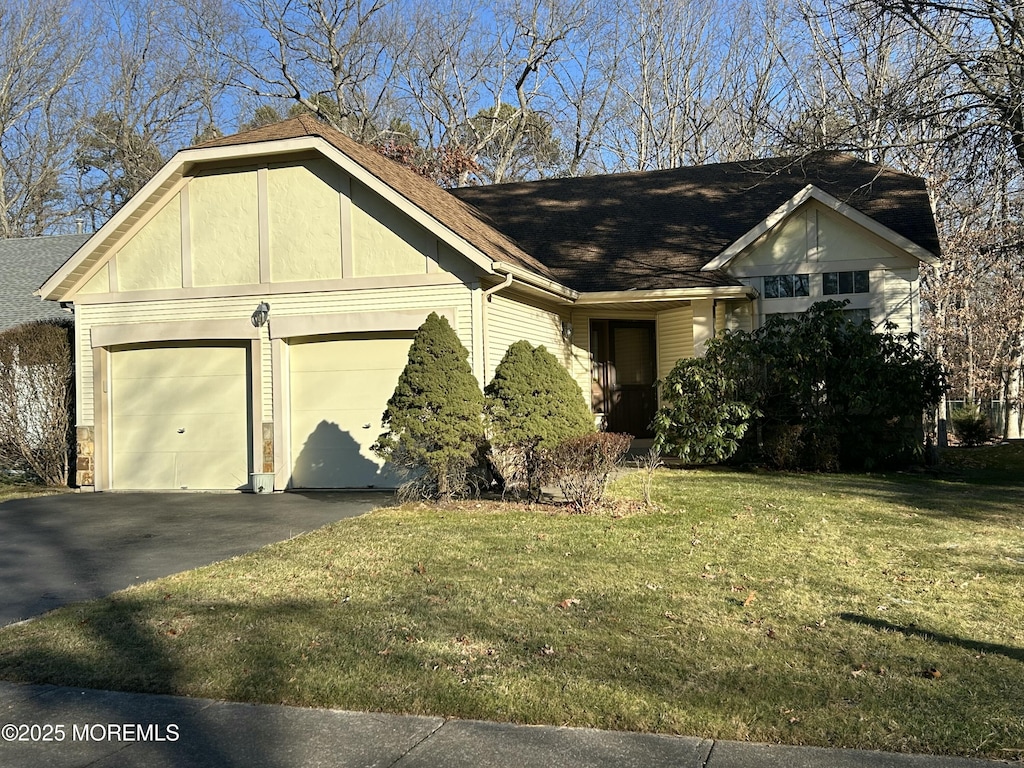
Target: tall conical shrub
{"type": "Point", "coordinates": [433, 419]}
{"type": "Point", "coordinates": [532, 404]}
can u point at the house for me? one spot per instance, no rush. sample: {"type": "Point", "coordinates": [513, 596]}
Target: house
{"type": "Point", "coordinates": [24, 263]}
{"type": "Point", "coordinates": [244, 318]}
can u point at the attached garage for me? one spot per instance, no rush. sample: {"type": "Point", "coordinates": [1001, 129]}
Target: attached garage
{"type": "Point", "coordinates": [179, 416]}
{"type": "Point", "coordinates": [339, 386]}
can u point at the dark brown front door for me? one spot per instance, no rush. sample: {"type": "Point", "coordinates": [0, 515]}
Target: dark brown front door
{"type": "Point", "coordinates": [624, 373]}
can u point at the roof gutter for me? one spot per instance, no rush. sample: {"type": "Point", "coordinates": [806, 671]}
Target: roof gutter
{"type": "Point", "coordinates": [667, 294]}
{"type": "Point", "coordinates": [535, 281]}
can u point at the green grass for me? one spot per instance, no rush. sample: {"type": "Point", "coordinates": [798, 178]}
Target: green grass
{"type": "Point", "coordinates": [856, 611]}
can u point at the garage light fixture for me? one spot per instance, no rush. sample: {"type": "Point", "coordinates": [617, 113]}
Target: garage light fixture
{"type": "Point", "coordinates": [566, 330]}
{"type": "Point", "coordinates": [261, 315]}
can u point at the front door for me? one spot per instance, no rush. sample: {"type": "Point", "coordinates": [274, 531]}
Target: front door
{"type": "Point", "coordinates": [624, 374]}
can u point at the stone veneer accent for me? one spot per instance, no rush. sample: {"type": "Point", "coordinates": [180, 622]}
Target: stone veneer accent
{"type": "Point", "coordinates": [84, 467]}
{"type": "Point", "coordinates": [268, 446]}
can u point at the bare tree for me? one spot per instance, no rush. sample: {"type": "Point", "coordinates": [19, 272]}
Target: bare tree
{"type": "Point", "coordinates": [155, 94]}
{"type": "Point", "coordinates": [39, 66]}
{"type": "Point", "coordinates": [334, 58]}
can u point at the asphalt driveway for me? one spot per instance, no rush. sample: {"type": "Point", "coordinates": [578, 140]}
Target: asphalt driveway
{"type": "Point", "coordinates": [78, 546]}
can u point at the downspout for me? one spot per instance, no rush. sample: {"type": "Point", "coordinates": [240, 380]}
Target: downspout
{"type": "Point", "coordinates": [483, 319]}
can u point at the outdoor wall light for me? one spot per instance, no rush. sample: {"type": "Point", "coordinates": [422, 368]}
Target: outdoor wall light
{"type": "Point", "coordinates": [566, 330]}
{"type": "Point", "coordinates": [261, 315]}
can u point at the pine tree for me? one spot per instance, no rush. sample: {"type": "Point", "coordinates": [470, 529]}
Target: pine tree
{"type": "Point", "coordinates": [532, 405]}
{"type": "Point", "coordinates": [433, 419]}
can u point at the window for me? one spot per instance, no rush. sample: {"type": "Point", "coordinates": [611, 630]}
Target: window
{"type": "Point", "coordinates": [858, 316]}
{"type": "Point", "coordinates": [835, 283]}
{"type": "Point", "coordinates": [786, 286]}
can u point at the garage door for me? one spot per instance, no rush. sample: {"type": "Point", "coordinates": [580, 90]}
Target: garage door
{"type": "Point", "coordinates": [179, 417]}
{"type": "Point", "coordinates": [340, 386]}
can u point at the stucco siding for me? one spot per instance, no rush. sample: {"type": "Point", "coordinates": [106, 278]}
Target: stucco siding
{"type": "Point", "coordinates": [152, 258]}
{"type": "Point", "coordinates": [304, 212]}
{"type": "Point", "coordinates": [98, 283]}
{"type": "Point", "coordinates": [385, 241]}
{"type": "Point", "coordinates": [224, 223]}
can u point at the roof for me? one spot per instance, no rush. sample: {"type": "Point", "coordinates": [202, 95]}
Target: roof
{"type": "Point", "coordinates": [657, 229]}
{"type": "Point", "coordinates": [25, 263]}
{"type": "Point", "coordinates": [449, 210]}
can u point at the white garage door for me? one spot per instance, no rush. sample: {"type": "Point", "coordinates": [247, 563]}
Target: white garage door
{"type": "Point", "coordinates": [179, 417]}
{"type": "Point", "coordinates": [340, 386]}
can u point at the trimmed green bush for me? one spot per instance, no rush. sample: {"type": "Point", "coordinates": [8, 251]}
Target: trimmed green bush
{"type": "Point", "coordinates": [434, 418]}
{"type": "Point", "coordinates": [532, 404]}
{"type": "Point", "coordinates": [970, 425]}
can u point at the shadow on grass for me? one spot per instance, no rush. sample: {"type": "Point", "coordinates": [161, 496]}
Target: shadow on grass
{"type": "Point", "coordinates": [911, 630]}
{"type": "Point", "coordinates": [972, 496]}
{"type": "Point", "coordinates": [150, 670]}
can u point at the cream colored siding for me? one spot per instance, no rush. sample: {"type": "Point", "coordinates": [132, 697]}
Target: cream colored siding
{"type": "Point", "coordinates": [152, 259]}
{"type": "Point", "coordinates": [674, 338]}
{"type": "Point", "coordinates": [839, 239]}
{"type": "Point", "coordinates": [733, 316]}
{"type": "Point", "coordinates": [815, 240]}
{"type": "Point", "coordinates": [225, 229]}
{"type": "Point", "coordinates": [304, 221]}
{"type": "Point", "coordinates": [787, 244]}
{"type": "Point", "coordinates": [457, 297]}
{"type": "Point", "coordinates": [180, 417]}
{"type": "Point", "coordinates": [98, 283]}
{"type": "Point", "coordinates": [510, 320]}
{"type": "Point", "coordinates": [902, 300]}
{"type": "Point", "coordinates": [385, 241]}
{"type": "Point", "coordinates": [339, 388]}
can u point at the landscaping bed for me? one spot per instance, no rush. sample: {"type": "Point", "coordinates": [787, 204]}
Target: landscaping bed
{"type": "Point", "coordinates": [878, 612]}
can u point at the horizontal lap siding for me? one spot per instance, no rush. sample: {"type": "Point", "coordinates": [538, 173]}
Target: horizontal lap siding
{"type": "Point", "coordinates": [674, 339]}
{"type": "Point", "coordinates": [509, 321]}
{"type": "Point", "coordinates": [427, 298]}
{"type": "Point", "coordinates": [902, 300]}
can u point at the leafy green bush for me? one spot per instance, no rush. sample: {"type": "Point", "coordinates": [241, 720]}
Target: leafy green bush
{"type": "Point", "coordinates": [434, 418]}
{"type": "Point", "coordinates": [970, 425]}
{"type": "Point", "coordinates": [815, 392]}
{"type": "Point", "coordinates": [580, 466]}
{"type": "Point", "coordinates": [532, 404]}
{"type": "Point", "coordinates": [701, 421]}
{"type": "Point", "coordinates": [830, 393]}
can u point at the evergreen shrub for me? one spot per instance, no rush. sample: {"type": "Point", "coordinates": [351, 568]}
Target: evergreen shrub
{"type": "Point", "coordinates": [970, 425]}
{"type": "Point", "coordinates": [532, 404]}
{"type": "Point", "coordinates": [434, 421]}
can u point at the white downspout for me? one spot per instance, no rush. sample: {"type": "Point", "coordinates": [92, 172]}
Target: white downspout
{"type": "Point", "coordinates": [483, 318]}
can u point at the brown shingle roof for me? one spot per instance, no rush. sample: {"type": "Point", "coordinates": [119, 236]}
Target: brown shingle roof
{"type": "Point", "coordinates": [657, 229]}
{"type": "Point", "coordinates": [451, 211]}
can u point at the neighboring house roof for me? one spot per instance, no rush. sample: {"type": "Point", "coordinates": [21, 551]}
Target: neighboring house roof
{"type": "Point", "coordinates": [25, 263]}
{"type": "Point", "coordinates": [424, 193]}
{"type": "Point", "coordinates": [657, 229]}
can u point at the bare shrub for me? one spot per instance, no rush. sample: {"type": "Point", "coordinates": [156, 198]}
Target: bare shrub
{"type": "Point", "coordinates": [37, 400]}
{"type": "Point", "coordinates": [646, 466]}
{"type": "Point", "coordinates": [580, 466]}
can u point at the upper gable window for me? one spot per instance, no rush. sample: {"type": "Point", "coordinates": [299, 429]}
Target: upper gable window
{"type": "Point", "coordinates": [836, 283]}
{"type": "Point", "coordinates": [787, 286]}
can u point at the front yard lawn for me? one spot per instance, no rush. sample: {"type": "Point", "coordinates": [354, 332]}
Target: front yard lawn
{"type": "Point", "coordinates": [854, 611]}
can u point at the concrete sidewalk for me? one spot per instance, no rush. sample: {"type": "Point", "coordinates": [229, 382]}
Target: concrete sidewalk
{"type": "Point", "coordinates": [101, 729]}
